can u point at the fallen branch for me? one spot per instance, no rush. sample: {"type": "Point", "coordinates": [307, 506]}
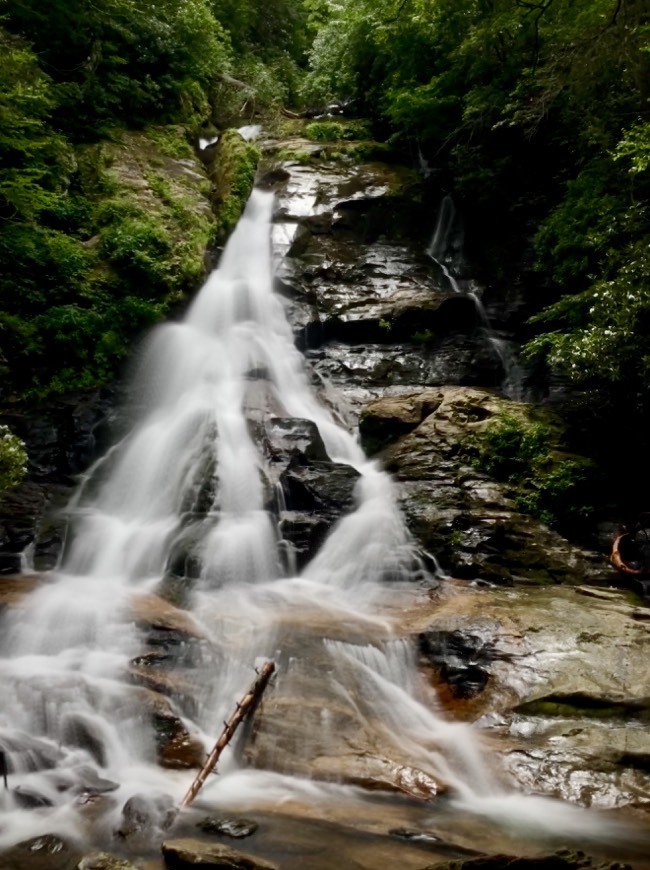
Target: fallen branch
{"type": "Point", "coordinates": [245, 707]}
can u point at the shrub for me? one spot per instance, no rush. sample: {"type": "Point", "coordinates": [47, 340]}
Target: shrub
{"type": "Point", "coordinates": [13, 459]}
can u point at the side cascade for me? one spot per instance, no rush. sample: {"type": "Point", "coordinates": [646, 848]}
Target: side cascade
{"type": "Point", "coordinates": [446, 249]}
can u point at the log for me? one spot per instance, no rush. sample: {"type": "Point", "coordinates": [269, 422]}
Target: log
{"type": "Point", "coordinates": [244, 708]}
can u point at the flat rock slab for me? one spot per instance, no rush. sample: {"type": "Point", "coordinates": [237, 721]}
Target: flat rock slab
{"type": "Point", "coordinates": [188, 853]}
{"type": "Point", "coordinates": [564, 689]}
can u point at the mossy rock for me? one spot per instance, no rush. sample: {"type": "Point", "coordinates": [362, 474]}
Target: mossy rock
{"type": "Point", "coordinates": [232, 172]}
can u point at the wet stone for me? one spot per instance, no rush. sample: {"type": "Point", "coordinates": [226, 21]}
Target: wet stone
{"type": "Point", "coordinates": [413, 836]}
{"type": "Point", "coordinates": [188, 853]}
{"type": "Point", "coordinates": [47, 852]}
{"type": "Point", "coordinates": [235, 828]}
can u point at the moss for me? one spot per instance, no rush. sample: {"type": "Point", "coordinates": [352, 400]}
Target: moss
{"type": "Point", "coordinates": [521, 447]}
{"type": "Point", "coordinates": [297, 155]}
{"type": "Point", "coordinates": [157, 224]}
{"type": "Point", "coordinates": [331, 130]}
{"type": "Point", "coordinates": [585, 706]}
{"type": "Point", "coordinates": [172, 141]}
{"type": "Point", "coordinates": [232, 173]}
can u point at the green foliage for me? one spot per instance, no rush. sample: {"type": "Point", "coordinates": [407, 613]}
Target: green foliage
{"type": "Point", "coordinates": [133, 244]}
{"type": "Point", "coordinates": [548, 485]}
{"type": "Point", "coordinates": [13, 460]}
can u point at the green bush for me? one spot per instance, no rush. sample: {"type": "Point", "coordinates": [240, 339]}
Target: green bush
{"type": "Point", "coordinates": [547, 484]}
{"type": "Point", "coordinates": [13, 460]}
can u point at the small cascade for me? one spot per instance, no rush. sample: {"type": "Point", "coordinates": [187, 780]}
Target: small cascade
{"type": "Point", "coordinates": [191, 478]}
{"type": "Point", "coordinates": [446, 246]}
{"type": "Point", "coordinates": [446, 249]}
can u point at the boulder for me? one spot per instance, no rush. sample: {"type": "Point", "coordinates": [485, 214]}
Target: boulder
{"type": "Point", "coordinates": [104, 861]}
{"type": "Point", "coordinates": [146, 815]}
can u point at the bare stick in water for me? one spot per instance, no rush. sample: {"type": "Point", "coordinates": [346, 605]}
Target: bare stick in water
{"type": "Point", "coordinates": [244, 708]}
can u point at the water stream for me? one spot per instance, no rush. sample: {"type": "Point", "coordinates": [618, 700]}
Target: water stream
{"type": "Point", "coordinates": [191, 477]}
{"type": "Point", "coordinates": [446, 249]}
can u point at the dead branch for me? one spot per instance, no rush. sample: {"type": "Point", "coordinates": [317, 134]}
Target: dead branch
{"type": "Point", "coordinates": [245, 707]}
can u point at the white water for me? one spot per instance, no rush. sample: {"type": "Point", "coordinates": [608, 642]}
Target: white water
{"type": "Point", "coordinates": [446, 250]}
{"type": "Point", "coordinates": [68, 714]}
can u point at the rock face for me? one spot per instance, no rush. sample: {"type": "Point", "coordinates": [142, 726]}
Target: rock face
{"type": "Point", "coordinates": [460, 514]}
{"type": "Point", "coordinates": [48, 852]}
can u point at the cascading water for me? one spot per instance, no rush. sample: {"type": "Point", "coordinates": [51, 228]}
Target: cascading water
{"type": "Point", "coordinates": [190, 477]}
{"type": "Point", "coordinates": [446, 250]}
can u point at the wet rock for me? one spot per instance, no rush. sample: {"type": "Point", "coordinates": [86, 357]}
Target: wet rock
{"type": "Point", "coordinates": [308, 728]}
{"type": "Point", "coordinates": [235, 828]}
{"type": "Point", "coordinates": [25, 753]}
{"type": "Point", "coordinates": [47, 852]}
{"type": "Point", "coordinates": [272, 178]}
{"type": "Point", "coordinates": [413, 836]}
{"type": "Point", "coordinates": [304, 533]}
{"type": "Point", "coordinates": [291, 439]}
{"type": "Point", "coordinates": [177, 748]}
{"type": "Point", "coordinates": [186, 853]}
{"type": "Point", "coordinates": [384, 421]}
{"type": "Point", "coordinates": [315, 490]}
{"type": "Point", "coordinates": [461, 659]}
{"type": "Point", "coordinates": [104, 861]}
{"type": "Point", "coordinates": [61, 440]}
{"type": "Point", "coordinates": [14, 589]}
{"type": "Point", "coordinates": [557, 663]}
{"type": "Point", "coordinates": [563, 860]}
{"type": "Point", "coordinates": [164, 623]}
{"type": "Point", "coordinates": [323, 488]}
{"type": "Point", "coordinates": [180, 750]}
{"type": "Point", "coordinates": [89, 781]}
{"type": "Point", "coordinates": [29, 799]}
{"type": "Point", "coordinates": [146, 815]}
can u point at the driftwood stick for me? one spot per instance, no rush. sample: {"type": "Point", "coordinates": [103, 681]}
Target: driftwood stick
{"type": "Point", "coordinates": [246, 706]}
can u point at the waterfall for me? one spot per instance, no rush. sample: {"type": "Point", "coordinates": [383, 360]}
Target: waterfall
{"type": "Point", "coordinates": [190, 475]}
{"type": "Point", "coordinates": [446, 246]}
{"type": "Point", "coordinates": [446, 249]}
